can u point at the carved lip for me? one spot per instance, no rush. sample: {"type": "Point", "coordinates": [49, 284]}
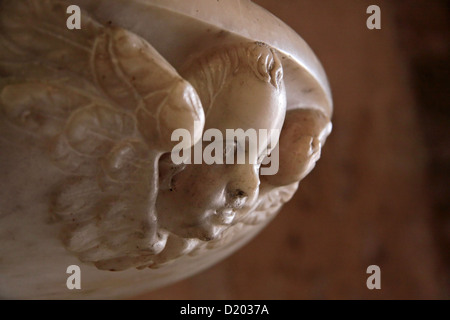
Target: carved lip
{"type": "Point", "coordinates": [225, 216]}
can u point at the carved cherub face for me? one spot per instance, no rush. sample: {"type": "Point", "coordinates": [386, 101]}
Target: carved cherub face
{"type": "Point", "coordinates": [202, 200]}
{"type": "Point", "coordinates": [100, 108]}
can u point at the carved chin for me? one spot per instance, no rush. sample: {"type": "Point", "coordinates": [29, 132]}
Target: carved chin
{"type": "Point", "coordinates": [114, 244]}
{"type": "Point", "coordinates": [119, 242]}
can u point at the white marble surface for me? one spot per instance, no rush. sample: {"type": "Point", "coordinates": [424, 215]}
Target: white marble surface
{"type": "Point", "coordinates": [34, 259]}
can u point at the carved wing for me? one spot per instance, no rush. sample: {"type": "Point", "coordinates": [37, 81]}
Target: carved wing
{"type": "Point", "coordinates": [100, 101]}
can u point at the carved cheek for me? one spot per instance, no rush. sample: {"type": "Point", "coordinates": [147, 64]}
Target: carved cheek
{"type": "Point", "coordinates": [208, 184]}
{"type": "Point", "coordinates": [197, 186]}
{"type": "Point", "coordinates": [243, 184]}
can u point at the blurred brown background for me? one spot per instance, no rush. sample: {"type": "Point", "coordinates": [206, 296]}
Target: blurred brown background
{"type": "Point", "coordinates": [379, 194]}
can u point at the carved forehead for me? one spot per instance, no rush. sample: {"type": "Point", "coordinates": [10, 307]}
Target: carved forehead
{"type": "Point", "coordinates": [247, 102]}
{"type": "Point", "coordinates": [211, 71]}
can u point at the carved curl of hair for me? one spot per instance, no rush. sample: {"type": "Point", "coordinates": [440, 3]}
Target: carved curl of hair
{"type": "Point", "coordinates": [209, 73]}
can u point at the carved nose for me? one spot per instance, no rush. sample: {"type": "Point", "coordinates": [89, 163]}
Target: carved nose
{"type": "Point", "coordinates": [237, 198]}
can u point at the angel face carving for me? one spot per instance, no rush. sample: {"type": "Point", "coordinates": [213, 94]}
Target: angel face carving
{"type": "Point", "coordinates": [193, 201]}
{"type": "Point", "coordinates": [202, 200]}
